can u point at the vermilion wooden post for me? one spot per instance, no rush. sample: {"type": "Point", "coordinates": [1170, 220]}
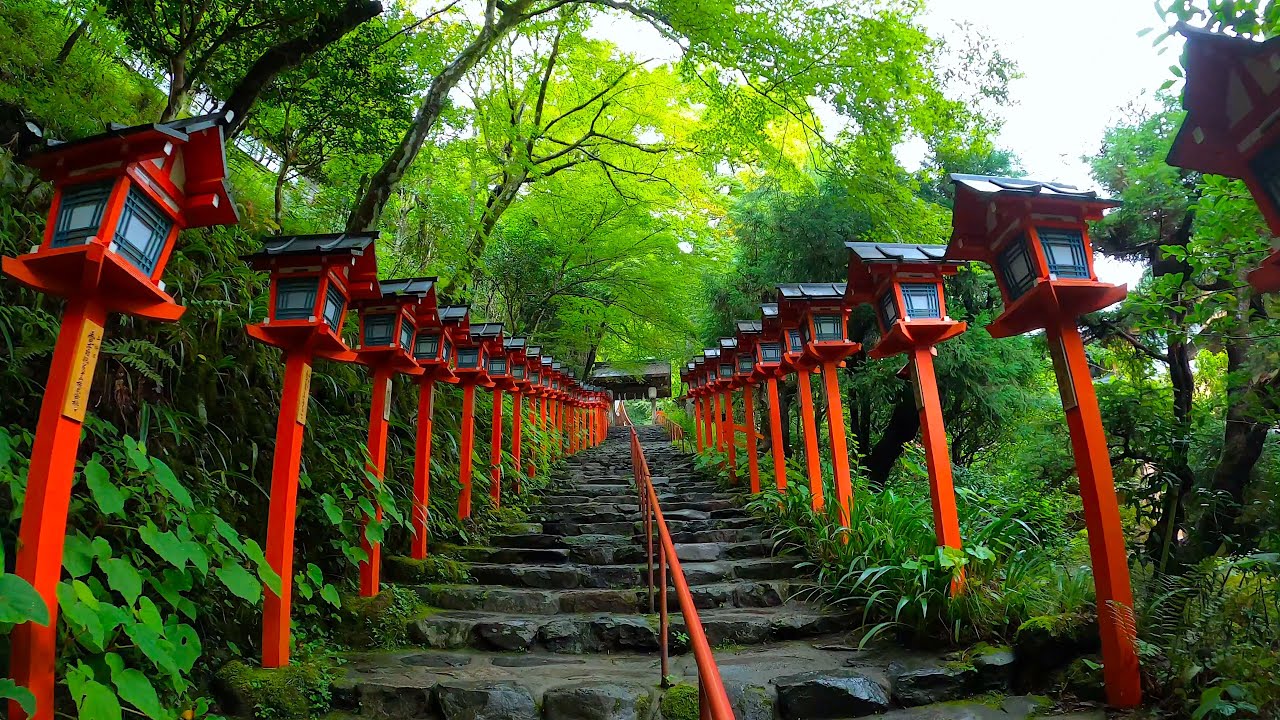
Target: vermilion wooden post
{"type": "Point", "coordinates": [422, 467]}
{"type": "Point", "coordinates": [697, 421]}
{"type": "Point", "coordinates": [495, 451]}
{"type": "Point", "coordinates": [839, 444]}
{"type": "Point", "coordinates": [290, 428]}
{"type": "Point", "coordinates": [933, 434]}
{"type": "Point", "coordinates": [517, 419]}
{"type": "Point", "coordinates": [813, 462]}
{"type": "Point", "coordinates": [468, 444]}
{"type": "Point", "coordinates": [730, 434]}
{"type": "Point", "coordinates": [775, 435]}
{"type": "Point", "coordinates": [49, 479]}
{"type": "Point", "coordinates": [749, 417]}
{"type": "Point", "coordinates": [1113, 589]}
{"type": "Point", "coordinates": [379, 417]}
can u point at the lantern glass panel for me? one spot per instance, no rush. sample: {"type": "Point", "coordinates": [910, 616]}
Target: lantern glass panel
{"type": "Point", "coordinates": [1266, 167]}
{"type": "Point", "coordinates": [829, 328]}
{"type": "Point", "coordinates": [922, 300]}
{"type": "Point", "coordinates": [497, 366]}
{"type": "Point", "coordinates": [745, 363]}
{"type": "Point", "coordinates": [469, 358]}
{"type": "Point", "coordinates": [794, 341]}
{"type": "Point", "coordinates": [888, 310]}
{"type": "Point", "coordinates": [296, 298]}
{"type": "Point", "coordinates": [379, 329]}
{"type": "Point", "coordinates": [517, 372]}
{"type": "Point", "coordinates": [80, 213]}
{"type": "Point", "coordinates": [726, 370]}
{"type": "Point", "coordinates": [1064, 249]}
{"type": "Point", "coordinates": [142, 231]}
{"type": "Point", "coordinates": [427, 346]}
{"type": "Point", "coordinates": [334, 306]}
{"type": "Point", "coordinates": [406, 335]}
{"type": "Point", "coordinates": [770, 352]}
{"type": "Point", "coordinates": [1016, 268]}
{"type": "Point", "coordinates": [447, 351]}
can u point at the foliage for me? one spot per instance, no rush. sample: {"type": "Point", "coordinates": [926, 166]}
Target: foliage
{"type": "Point", "coordinates": [297, 691]}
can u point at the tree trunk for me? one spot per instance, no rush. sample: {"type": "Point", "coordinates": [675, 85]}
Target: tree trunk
{"type": "Point", "coordinates": [903, 425]}
{"type": "Point", "coordinates": [368, 209]}
{"type": "Point", "coordinates": [177, 101]}
{"type": "Point", "coordinates": [280, 182]}
{"type": "Point", "coordinates": [70, 44]}
{"type": "Point", "coordinates": [500, 198]}
{"type": "Point", "coordinates": [291, 53]}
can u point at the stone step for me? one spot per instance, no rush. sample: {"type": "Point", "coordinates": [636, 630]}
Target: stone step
{"type": "Point", "coordinates": [566, 577]}
{"type": "Point", "coordinates": [604, 550]}
{"type": "Point", "coordinates": [604, 633]}
{"type": "Point", "coordinates": [528, 601]}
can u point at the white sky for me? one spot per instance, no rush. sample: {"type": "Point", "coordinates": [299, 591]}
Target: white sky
{"type": "Point", "coordinates": [1082, 62]}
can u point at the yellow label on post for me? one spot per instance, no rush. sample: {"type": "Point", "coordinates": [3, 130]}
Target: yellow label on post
{"type": "Point", "coordinates": [915, 386]}
{"type": "Point", "coordinates": [386, 406]}
{"type": "Point", "coordinates": [304, 394]}
{"type": "Point", "coordinates": [1061, 368]}
{"type": "Point", "coordinates": [86, 361]}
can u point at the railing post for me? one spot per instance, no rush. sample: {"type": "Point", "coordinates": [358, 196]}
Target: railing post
{"type": "Point", "coordinates": [664, 622]}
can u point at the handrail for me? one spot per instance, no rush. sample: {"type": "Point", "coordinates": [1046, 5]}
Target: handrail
{"type": "Point", "coordinates": [713, 702]}
{"type": "Point", "coordinates": [675, 432]}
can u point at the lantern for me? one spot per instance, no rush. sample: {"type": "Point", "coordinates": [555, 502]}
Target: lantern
{"type": "Point", "coordinates": [1231, 96]}
{"type": "Point", "coordinates": [907, 279]}
{"type": "Point", "coordinates": [312, 280]}
{"type": "Point", "coordinates": [747, 376]}
{"type": "Point", "coordinates": [770, 356]}
{"type": "Point", "coordinates": [992, 215]}
{"type": "Point", "coordinates": [120, 199]}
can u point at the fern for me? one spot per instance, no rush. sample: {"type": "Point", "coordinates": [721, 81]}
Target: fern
{"type": "Point", "coordinates": [142, 356]}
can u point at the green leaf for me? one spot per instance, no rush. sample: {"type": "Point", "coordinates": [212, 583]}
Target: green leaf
{"type": "Point", "coordinates": [331, 509]}
{"type": "Point", "coordinates": [136, 689]}
{"type": "Point", "coordinates": [165, 544]}
{"type": "Point", "coordinates": [98, 702]}
{"type": "Point", "coordinates": [330, 594]}
{"type": "Point", "coordinates": [108, 498]}
{"type": "Point", "coordinates": [164, 475]}
{"type": "Point", "coordinates": [19, 602]}
{"type": "Point", "coordinates": [9, 690]}
{"type": "Point", "coordinates": [123, 577]}
{"type": "Point", "coordinates": [240, 582]}
{"type": "Point", "coordinates": [81, 617]}
{"type": "Point", "coordinates": [152, 644]}
{"type": "Point", "coordinates": [77, 555]}
{"type": "Point", "coordinates": [137, 453]}
{"type": "Point", "coordinates": [186, 646]}
{"type": "Point", "coordinates": [269, 577]}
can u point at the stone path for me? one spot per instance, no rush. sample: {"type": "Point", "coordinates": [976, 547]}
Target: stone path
{"type": "Point", "coordinates": [556, 622]}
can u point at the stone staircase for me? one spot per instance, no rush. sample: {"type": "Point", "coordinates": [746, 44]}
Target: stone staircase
{"type": "Point", "coordinates": [556, 623]}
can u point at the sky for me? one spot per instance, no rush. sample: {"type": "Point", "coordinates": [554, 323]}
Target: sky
{"type": "Point", "coordinates": [1082, 63]}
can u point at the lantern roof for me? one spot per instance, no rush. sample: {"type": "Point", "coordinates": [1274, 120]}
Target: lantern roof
{"type": "Point", "coordinates": [420, 287]}
{"type": "Point", "coordinates": [991, 185]}
{"type": "Point", "coordinates": [455, 314]}
{"type": "Point", "coordinates": [769, 310]}
{"type": "Point", "coordinates": [896, 252]}
{"type": "Point", "coordinates": [711, 353]}
{"type": "Point", "coordinates": [515, 344]}
{"type": "Point", "coordinates": [353, 244]}
{"type": "Point", "coordinates": [728, 343]}
{"type": "Point", "coordinates": [1226, 76]}
{"type": "Point", "coordinates": [548, 362]}
{"type": "Point", "coordinates": [749, 327]}
{"type": "Point", "coordinates": [797, 292]}
{"type": "Point", "coordinates": [699, 360]}
{"type": "Point", "coordinates": [556, 365]}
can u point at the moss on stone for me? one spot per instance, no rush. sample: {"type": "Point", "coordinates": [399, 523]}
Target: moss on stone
{"type": "Point", "coordinates": [643, 705]}
{"type": "Point", "coordinates": [379, 622]}
{"type": "Point", "coordinates": [680, 702]}
{"type": "Point", "coordinates": [297, 690]}
{"type": "Point", "coordinates": [433, 569]}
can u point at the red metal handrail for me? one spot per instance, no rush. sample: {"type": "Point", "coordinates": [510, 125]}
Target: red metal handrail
{"type": "Point", "coordinates": [674, 430]}
{"type": "Point", "coordinates": [713, 702]}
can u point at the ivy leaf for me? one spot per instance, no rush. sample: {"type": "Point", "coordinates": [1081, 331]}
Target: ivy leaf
{"type": "Point", "coordinates": [166, 545]}
{"type": "Point", "coordinates": [136, 689]}
{"type": "Point", "coordinates": [330, 594]}
{"type": "Point", "coordinates": [10, 690]}
{"type": "Point", "coordinates": [77, 555]}
{"type": "Point", "coordinates": [240, 582]}
{"type": "Point", "coordinates": [186, 646]}
{"type": "Point", "coordinates": [269, 577]}
{"type": "Point", "coordinates": [19, 602]}
{"type": "Point", "coordinates": [152, 644]}
{"type": "Point", "coordinates": [331, 509]}
{"type": "Point", "coordinates": [164, 475]}
{"type": "Point", "coordinates": [81, 617]}
{"type": "Point", "coordinates": [123, 577]}
{"type": "Point", "coordinates": [108, 498]}
{"type": "Point", "coordinates": [137, 453]}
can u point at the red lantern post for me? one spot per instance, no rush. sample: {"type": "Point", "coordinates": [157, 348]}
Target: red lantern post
{"type": "Point", "coordinates": [490, 335]}
{"type": "Point", "coordinates": [471, 360]}
{"type": "Point", "coordinates": [535, 391]}
{"type": "Point", "coordinates": [433, 349]}
{"type": "Point", "coordinates": [313, 278]}
{"type": "Point", "coordinates": [904, 282]}
{"type": "Point", "coordinates": [746, 377]}
{"type": "Point", "coordinates": [516, 361]}
{"type": "Point", "coordinates": [387, 332]}
{"type": "Point", "coordinates": [727, 384]}
{"type": "Point", "coordinates": [120, 199]}
{"type": "Point", "coordinates": [1232, 96]}
{"type": "Point", "coordinates": [769, 367]}
{"type": "Point", "coordinates": [1036, 236]}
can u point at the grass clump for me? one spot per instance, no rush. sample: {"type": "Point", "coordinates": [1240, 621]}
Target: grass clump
{"type": "Point", "coordinates": [379, 622]}
{"type": "Point", "coordinates": [680, 702]}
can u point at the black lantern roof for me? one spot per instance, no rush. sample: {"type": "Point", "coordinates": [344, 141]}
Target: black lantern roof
{"type": "Point", "coordinates": [533, 351]}
{"type": "Point", "coordinates": [354, 244]}
{"type": "Point", "coordinates": [454, 313]}
{"type": "Point", "coordinates": [486, 331]}
{"type": "Point", "coordinates": [769, 310]}
{"type": "Point", "coordinates": [896, 252]}
{"type": "Point", "coordinates": [728, 344]}
{"type": "Point", "coordinates": [812, 291]}
{"type": "Point", "coordinates": [700, 360]}
{"type": "Point", "coordinates": [419, 287]}
{"type": "Point", "coordinates": [177, 129]}
{"type": "Point", "coordinates": [711, 353]}
{"type": "Point", "coordinates": [988, 185]}
{"type": "Point", "coordinates": [556, 365]}
{"type": "Point", "coordinates": [749, 327]}
{"type": "Point", "coordinates": [515, 344]}
{"type": "Point", "coordinates": [548, 362]}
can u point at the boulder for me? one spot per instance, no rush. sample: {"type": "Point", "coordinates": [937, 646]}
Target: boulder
{"type": "Point", "coordinates": [596, 701]}
{"type": "Point", "coordinates": [442, 633]}
{"type": "Point", "coordinates": [393, 702]}
{"type": "Point", "coordinates": [928, 684]}
{"type": "Point", "coordinates": [508, 634]}
{"type": "Point", "coordinates": [485, 701]}
{"type": "Point", "coordinates": [567, 636]}
{"type": "Point", "coordinates": [994, 665]}
{"type": "Point", "coordinates": [1051, 641]}
{"type": "Point", "coordinates": [830, 694]}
